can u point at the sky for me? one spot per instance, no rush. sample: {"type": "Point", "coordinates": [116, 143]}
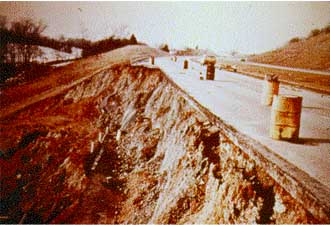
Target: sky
{"type": "Point", "coordinates": [246, 27]}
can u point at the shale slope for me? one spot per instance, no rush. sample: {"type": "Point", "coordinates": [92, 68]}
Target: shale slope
{"type": "Point", "coordinates": [126, 146]}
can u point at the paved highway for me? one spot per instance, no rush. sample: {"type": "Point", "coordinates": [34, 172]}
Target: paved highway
{"type": "Point", "coordinates": [236, 100]}
{"type": "Point", "coordinates": [236, 60]}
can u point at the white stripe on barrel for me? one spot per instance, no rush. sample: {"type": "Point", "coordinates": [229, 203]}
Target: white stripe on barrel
{"type": "Point", "coordinates": [270, 88]}
{"type": "Point", "coordinates": [285, 117]}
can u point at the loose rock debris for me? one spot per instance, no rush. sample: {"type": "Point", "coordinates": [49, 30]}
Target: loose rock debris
{"type": "Point", "coordinates": [126, 147]}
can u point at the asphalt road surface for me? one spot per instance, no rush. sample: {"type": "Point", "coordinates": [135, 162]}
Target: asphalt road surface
{"type": "Point", "coordinates": [318, 72]}
{"type": "Point", "coordinates": [236, 100]}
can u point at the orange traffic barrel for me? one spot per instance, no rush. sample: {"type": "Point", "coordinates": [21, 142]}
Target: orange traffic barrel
{"type": "Point", "coordinates": [285, 117]}
{"type": "Point", "coordinates": [185, 64]}
{"type": "Point", "coordinates": [270, 88]}
{"type": "Point", "coordinates": [152, 60]}
{"type": "Point", "coordinates": [210, 70]}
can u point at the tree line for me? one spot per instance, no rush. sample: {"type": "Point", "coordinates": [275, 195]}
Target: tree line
{"type": "Point", "coordinates": [108, 44]}
{"type": "Point", "coordinates": [20, 41]}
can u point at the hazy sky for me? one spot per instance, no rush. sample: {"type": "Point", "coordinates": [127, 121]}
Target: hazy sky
{"type": "Point", "coordinates": [248, 27]}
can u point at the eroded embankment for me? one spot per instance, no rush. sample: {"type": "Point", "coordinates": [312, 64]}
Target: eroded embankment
{"type": "Point", "coordinates": [126, 146]}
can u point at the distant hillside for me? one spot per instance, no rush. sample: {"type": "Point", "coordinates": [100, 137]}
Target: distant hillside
{"type": "Point", "coordinates": [312, 52]}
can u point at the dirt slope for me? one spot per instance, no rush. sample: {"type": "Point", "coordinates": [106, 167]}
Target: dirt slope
{"type": "Point", "coordinates": [307, 53]}
{"type": "Point", "coordinates": [13, 95]}
{"type": "Point", "coordinates": [126, 146]}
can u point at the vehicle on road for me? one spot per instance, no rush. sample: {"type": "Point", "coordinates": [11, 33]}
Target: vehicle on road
{"type": "Point", "coordinates": [208, 59]}
{"type": "Point", "coordinates": [228, 67]}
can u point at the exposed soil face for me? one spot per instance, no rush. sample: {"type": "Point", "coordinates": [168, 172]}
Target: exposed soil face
{"type": "Point", "coordinates": [125, 146]}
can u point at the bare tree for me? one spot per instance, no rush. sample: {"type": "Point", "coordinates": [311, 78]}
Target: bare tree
{"type": "Point", "coordinates": [12, 55]}
{"type": "Point", "coordinates": [3, 21]}
{"type": "Point", "coordinates": [26, 28]}
{"type": "Point", "coordinates": [3, 47]}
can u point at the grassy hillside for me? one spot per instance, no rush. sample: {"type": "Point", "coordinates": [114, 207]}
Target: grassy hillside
{"type": "Point", "coordinates": [312, 52]}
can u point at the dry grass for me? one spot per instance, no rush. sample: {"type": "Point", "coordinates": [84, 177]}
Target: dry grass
{"type": "Point", "coordinates": [308, 53]}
